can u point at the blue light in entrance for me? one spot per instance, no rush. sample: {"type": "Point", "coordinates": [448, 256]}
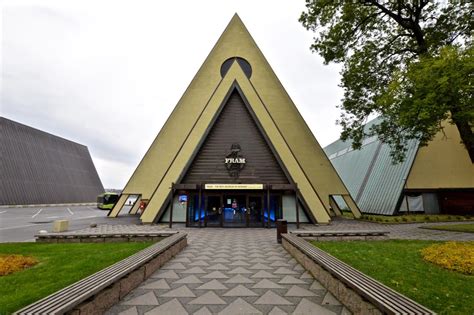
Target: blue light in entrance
{"type": "Point", "coordinates": [183, 198]}
{"type": "Point", "coordinates": [196, 215]}
{"type": "Point", "coordinates": [272, 215]}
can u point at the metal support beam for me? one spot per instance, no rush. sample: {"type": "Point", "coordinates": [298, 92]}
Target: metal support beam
{"type": "Point", "coordinates": [334, 206]}
{"type": "Point", "coordinates": [200, 204]}
{"type": "Point", "coordinates": [136, 205]}
{"type": "Point", "coordinates": [268, 205]}
{"type": "Point", "coordinates": [297, 208]}
{"type": "Point", "coordinates": [352, 206]}
{"type": "Point", "coordinates": [408, 205]}
{"type": "Point", "coordinates": [171, 205]}
{"type": "Point", "coordinates": [118, 206]}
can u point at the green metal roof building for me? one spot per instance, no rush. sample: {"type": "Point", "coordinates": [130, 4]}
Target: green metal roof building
{"type": "Point", "coordinates": [432, 179]}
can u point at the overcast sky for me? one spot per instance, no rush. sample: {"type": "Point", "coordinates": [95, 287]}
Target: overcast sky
{"type": "Point", "coordinates": [107, 74]}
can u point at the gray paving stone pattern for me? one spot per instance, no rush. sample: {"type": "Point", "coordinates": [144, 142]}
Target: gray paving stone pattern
{"type": "Point", "coordinates": [230, 271]}
{"type": "Point", "coordinates": [413, 231]}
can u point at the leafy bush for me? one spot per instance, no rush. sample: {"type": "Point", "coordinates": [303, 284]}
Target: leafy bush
{"type": "Point", "coordinates": [12, 263]}
{"type": "Point", "coordinates": [456, 256]}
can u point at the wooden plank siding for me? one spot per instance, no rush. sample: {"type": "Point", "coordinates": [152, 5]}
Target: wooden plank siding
{"type": "Point", "coordinates": [235, 125]}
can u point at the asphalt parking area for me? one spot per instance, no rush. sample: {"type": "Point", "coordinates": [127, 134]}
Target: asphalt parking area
{"type": "Point", "coordinates": [21, 224]}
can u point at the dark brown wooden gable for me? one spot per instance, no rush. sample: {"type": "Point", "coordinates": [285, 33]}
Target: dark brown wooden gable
{"type": "Point", "coordinates": [235, 125]}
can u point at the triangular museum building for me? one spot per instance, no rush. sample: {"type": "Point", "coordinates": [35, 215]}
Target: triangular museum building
{"type": "Point", "coordinates": [235, 151]}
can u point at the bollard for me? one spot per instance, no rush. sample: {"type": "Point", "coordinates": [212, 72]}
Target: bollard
{"type": "Point", "coordinates": [282, 227]}
{"type": "Point", "coordinates": [60, 226]}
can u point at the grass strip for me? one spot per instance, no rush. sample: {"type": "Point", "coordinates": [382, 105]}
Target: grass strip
{"type": "Point", "coordinates": [398, 264]}
{"type": "Point", "coordinates": [467, 228]}
{"type": "Point", "coordinates": [59, 266]}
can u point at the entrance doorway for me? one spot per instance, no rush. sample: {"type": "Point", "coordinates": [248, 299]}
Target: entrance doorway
{"type": "Point", "coordinates": [232, 208]}
{"type": "Point", "coordinates": [238, 210]}
{"type": "Point", "coordinates": [214, 210]}
{"type": "Point", "coordinates": [235, 211]}
{"type": "Point", "coordinates": [255, 211]}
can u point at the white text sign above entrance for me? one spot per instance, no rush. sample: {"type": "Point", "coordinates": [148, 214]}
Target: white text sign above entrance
{"type": "Point", "coordinates": [233, 186]}
{"type": "Point", "coordinates": [234, 160]}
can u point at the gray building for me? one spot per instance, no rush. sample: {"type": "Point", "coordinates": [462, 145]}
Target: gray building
{"type": "Point", "coordinates": [40, 168]}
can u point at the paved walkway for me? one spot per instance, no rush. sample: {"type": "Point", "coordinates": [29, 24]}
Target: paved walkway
{"type": "Point", "coordinates": [230, 271]}
{"type": "Point", "coordinates": [398, 231]}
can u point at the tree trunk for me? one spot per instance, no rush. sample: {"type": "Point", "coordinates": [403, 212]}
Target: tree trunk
{"type": "Point", "coordinates": [467, 136]}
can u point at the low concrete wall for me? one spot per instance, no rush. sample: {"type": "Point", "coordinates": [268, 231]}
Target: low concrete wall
{"type": "Point", "coordinates": [105, 299]}
{"type": "Point", "coordinates": [347, 238]}
{"type": "Point", "coordinates": [348, 297]}
{"type": "Point", "coordinates": [100, 291]}
{"type": "Point", "coordinates": [100, 239]}
{"type": "Point", "coordinates": [346, 235]}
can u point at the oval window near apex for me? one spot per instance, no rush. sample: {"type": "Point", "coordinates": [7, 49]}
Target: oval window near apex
{"type": "Point", "coordinates": [244, 65]}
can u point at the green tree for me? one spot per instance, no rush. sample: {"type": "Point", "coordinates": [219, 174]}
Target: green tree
{"type": "Point", "coordinates": [409, 61]}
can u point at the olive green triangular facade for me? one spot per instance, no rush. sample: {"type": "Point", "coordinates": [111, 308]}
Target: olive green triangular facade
{"type": "Point", "coordinates": [286, 130]}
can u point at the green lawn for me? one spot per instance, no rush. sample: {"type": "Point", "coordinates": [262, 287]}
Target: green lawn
{"type": "Point", "coordinates": [399, 265]}
{"type": "Point", "coordinates": [59, 265]}
{"type": "Point", "coordinates": [468, 228]}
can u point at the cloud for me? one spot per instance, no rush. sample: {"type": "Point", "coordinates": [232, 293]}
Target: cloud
{"type": "Point", "coordinates": [107, 74]}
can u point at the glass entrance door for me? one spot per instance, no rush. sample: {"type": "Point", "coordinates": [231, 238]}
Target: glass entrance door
{"type": "Point", "coordinates": [235, 211]}
{"type": "Point", "coordinates": [273, 211]}
{"type": "Point", "coordinates": [195, 214]}
{"type": "Point", "coordinates": [214, 210]}
{"type": "Point", "coordinates": [255, 211]}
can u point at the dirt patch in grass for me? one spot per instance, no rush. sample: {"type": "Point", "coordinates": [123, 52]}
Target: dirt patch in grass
{"type": "Point", "coordinates": [13, 263]}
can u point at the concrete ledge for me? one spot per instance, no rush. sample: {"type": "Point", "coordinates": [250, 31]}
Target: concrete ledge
{"type": "Point", "coordinates": [348, 235]}
{"type": "Point", "coordinates": [103, 238]}
{"type": "Point", "coordinates": [100, 291]}
{"type": "Point", "coordinates": [358, 292]}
